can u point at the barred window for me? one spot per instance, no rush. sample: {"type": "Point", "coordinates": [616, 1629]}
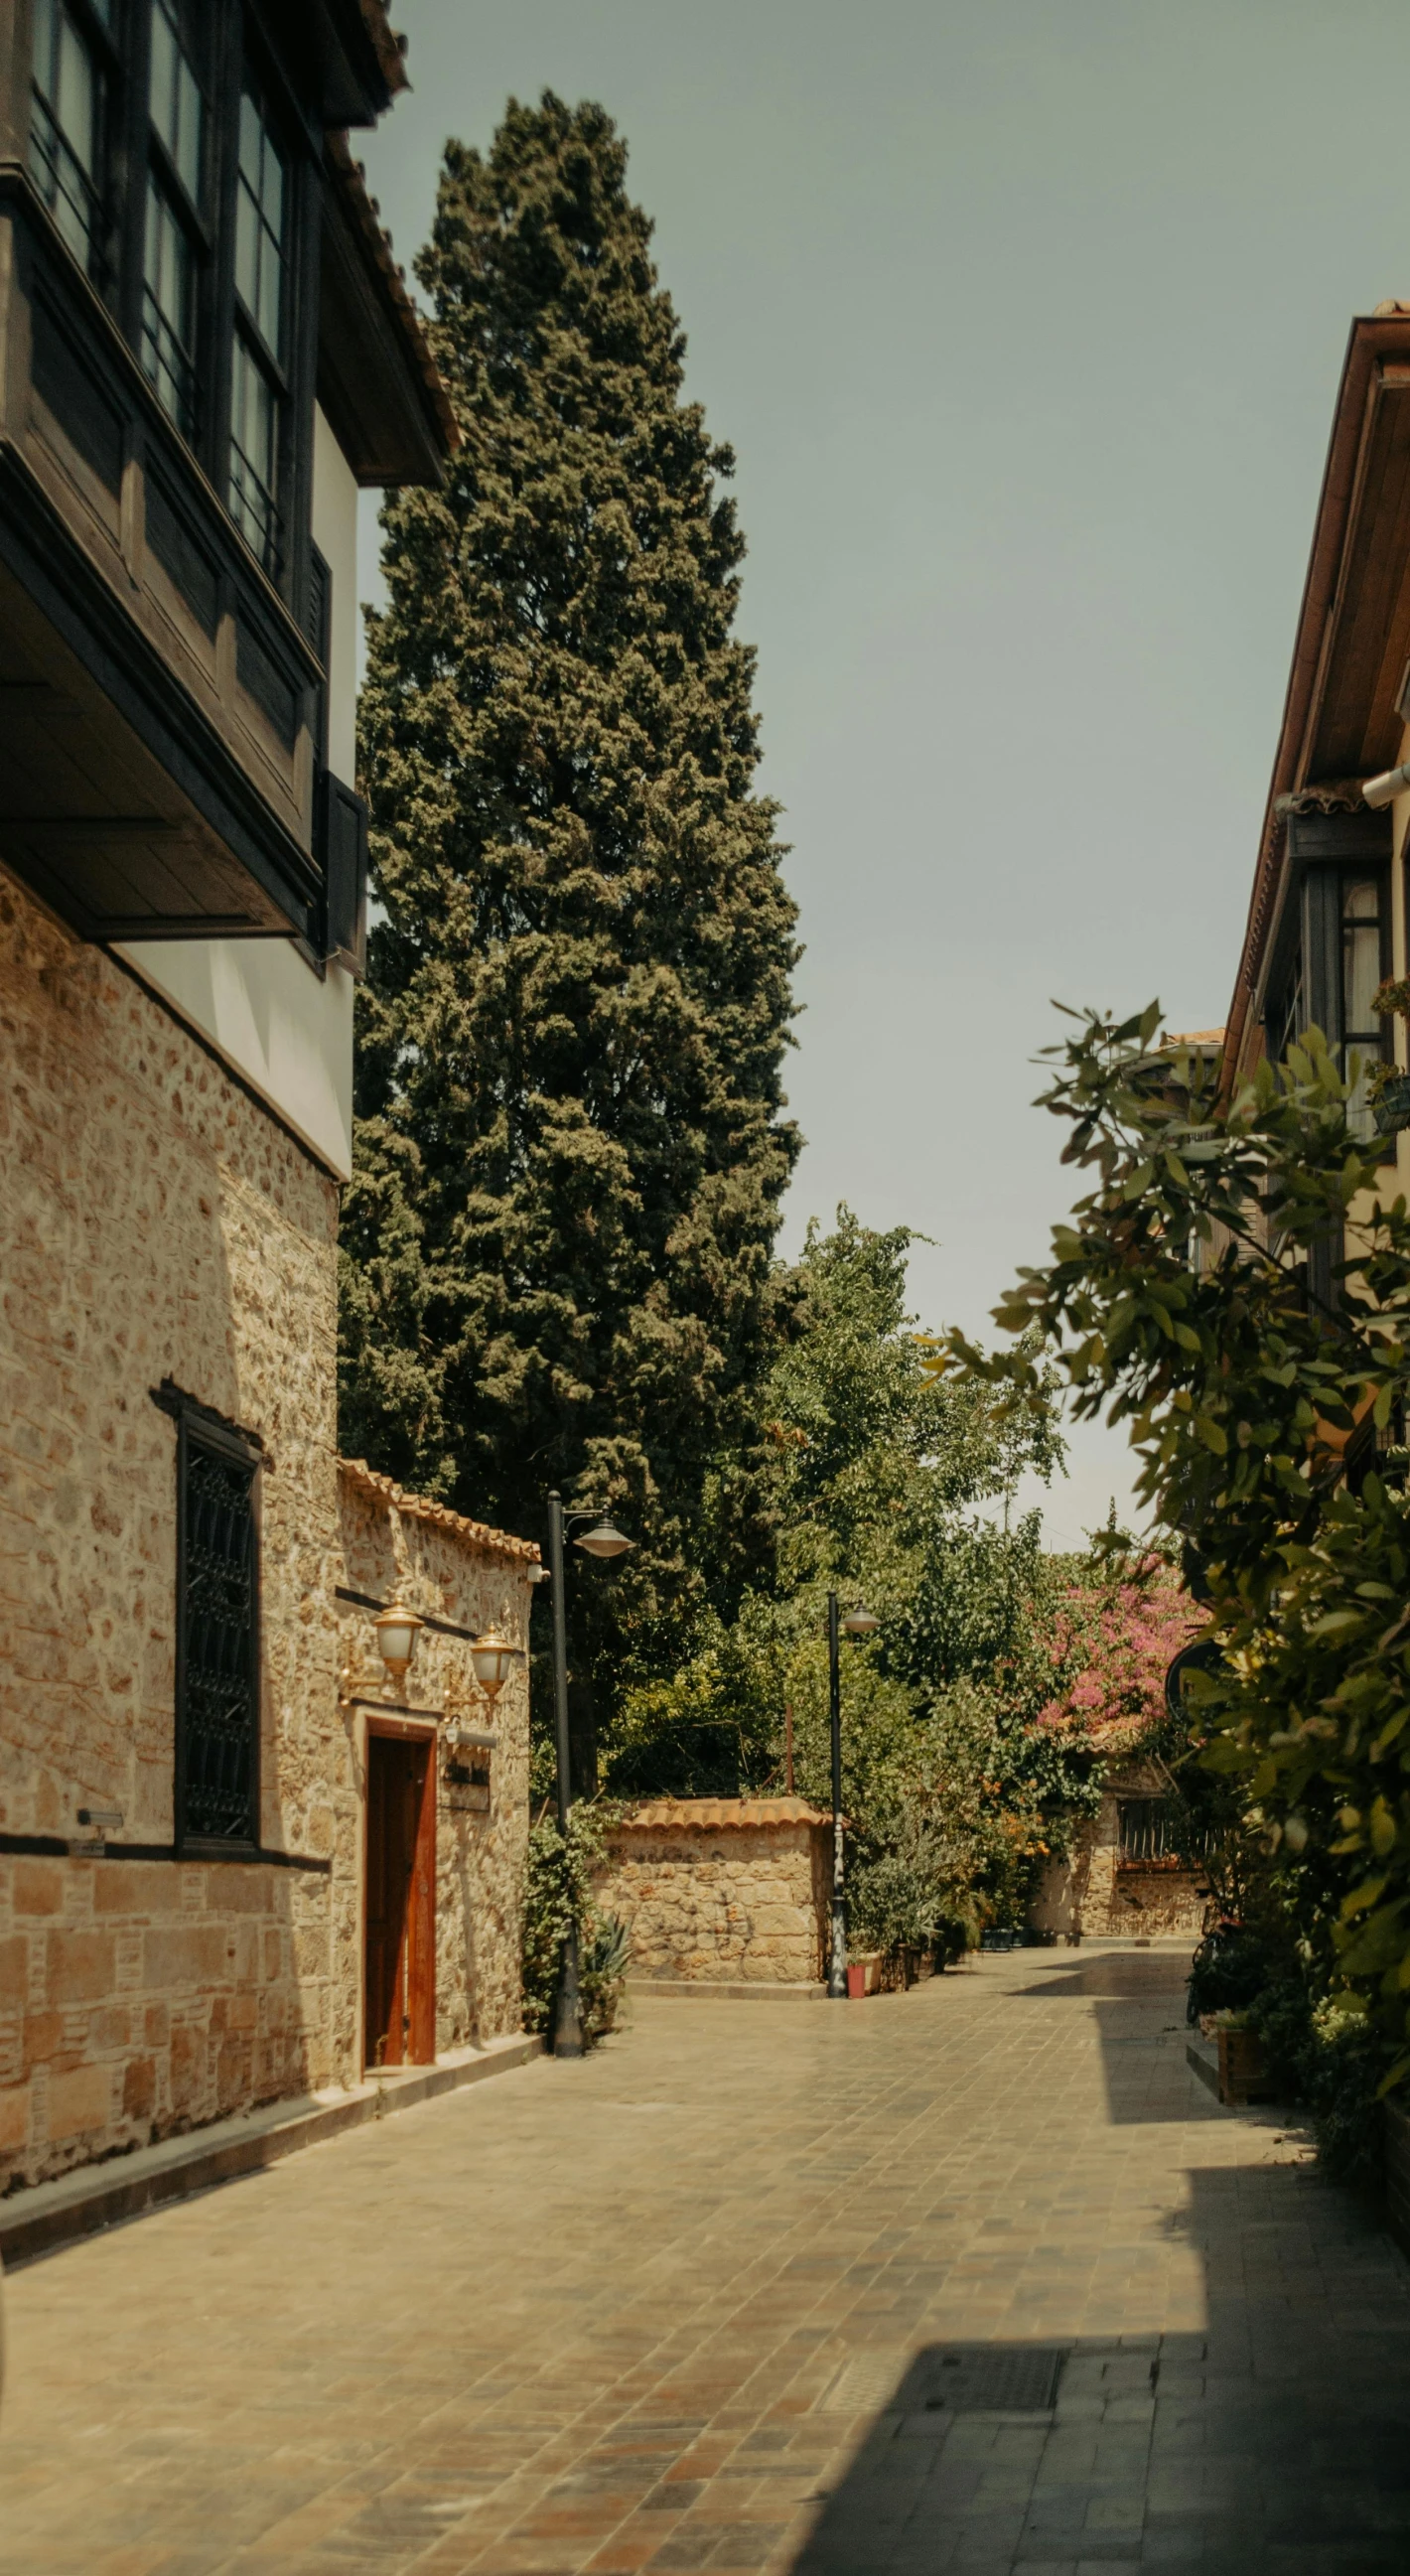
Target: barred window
{"type": "Point", "coordinates": [217, 1690]}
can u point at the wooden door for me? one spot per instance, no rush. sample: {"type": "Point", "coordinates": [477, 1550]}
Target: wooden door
{"type": "Point", "coordinates": [400, 2016]}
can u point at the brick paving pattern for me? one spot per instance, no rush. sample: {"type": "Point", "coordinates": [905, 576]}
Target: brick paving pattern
{"type": "Point", "coordinates": [699, 2302]}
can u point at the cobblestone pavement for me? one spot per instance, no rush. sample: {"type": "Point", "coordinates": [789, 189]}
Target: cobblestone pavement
{"type": "Point", "coordinates": [695, 2303]}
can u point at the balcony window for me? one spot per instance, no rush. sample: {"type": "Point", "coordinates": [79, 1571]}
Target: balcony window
{"type": "Point", "coordinates": [256, 359]}
{"type": "Point", "coordinates": [66, 127]}
{"type": "Point", "coordinates": [259, 228]}
{"type": "Point", "coordinates": [168, 301]}
{"type": "Point", "coordinates": [174, 235]}
{"type": "Point", "coordinates": [254, 440]}
{"type": "Point", "coordinates": [175, 104]}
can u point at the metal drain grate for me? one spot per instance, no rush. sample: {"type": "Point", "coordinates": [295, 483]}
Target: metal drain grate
{"type": "Point", "coordinates": [986, 2378]}
{"type": "Point", "coordinates": [957, 2379]}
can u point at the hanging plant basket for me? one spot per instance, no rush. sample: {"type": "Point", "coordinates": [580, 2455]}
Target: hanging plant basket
{"type": "Point", "coordinates": [1391, 1106]}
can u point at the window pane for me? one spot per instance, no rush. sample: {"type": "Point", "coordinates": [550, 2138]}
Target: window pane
{"type": "Point", "coordinates": [246, 250]}
{"type": "Point", "coordinates": [64, 132]}
{"type": "Point", "coordinates": [259, 227]}
{"type": "Point", "coordinates": [1360, 975]}
{"type": "Point", "coordinates": [254, 434]}
{"type": "Point", "coordinates": [177, 109]}
{"type": "Point", "coordinates": [168, 357]}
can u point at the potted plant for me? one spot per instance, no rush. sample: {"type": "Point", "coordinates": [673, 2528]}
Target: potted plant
{"type": "Point", "coordinates": [1389, 1087]}
{"type": "Point", "coordinates": [1243, 2060]}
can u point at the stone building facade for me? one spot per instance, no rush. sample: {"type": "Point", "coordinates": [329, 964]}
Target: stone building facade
{"type": "Point", "coordinates": [164, 1238]}
{"type": "Point", "coordinates": [197, 1806]}
{"type": "Point", "coordinates": [1114, 1886]}
{"type": "Point", "coordinates": [722, 1891]}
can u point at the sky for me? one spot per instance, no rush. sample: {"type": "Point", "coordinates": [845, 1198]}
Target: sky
{"type": "Point", "coordinates": [1024, 319]}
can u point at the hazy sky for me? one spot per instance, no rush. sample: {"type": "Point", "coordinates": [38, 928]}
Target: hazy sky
{"type": "Point", "coordinates": [1025, 322]}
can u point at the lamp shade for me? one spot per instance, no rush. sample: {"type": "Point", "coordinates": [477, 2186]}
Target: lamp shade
{"type": "Point", "coordinates": [860, 1622]}
{"type": "Point", "coordinates": [490, 1658]}
{"type": "Point", "coordinates": [396, 1636]}
{"type": "Point", "coordinates": [604, 1540]}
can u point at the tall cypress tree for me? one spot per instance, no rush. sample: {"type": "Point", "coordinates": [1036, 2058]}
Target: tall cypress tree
{"type": "Point", "coordinates": [570, 1146]}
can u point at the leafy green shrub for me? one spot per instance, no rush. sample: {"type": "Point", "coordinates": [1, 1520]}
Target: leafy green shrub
{"type": "Point", "coordinates": [1341, 2069]}
{"type": "Point", "coordinates": [602, 1972]}
{"type": "Point", "coordinates": [558, 1876]}
{"type": "Point", "coordinates": [1229, 1971]}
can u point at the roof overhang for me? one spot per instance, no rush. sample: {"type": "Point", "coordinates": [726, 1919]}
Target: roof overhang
{"type": "Point", "coordinates": [377, 379]}
{"type": "Point", "coordinates": [355, 57]}
{"type": "Point", "coordinates": [1341, 718]}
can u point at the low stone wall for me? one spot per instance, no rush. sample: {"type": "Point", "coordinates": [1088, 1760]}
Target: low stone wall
{"type": "Point", "coordinates": [722, 1891]}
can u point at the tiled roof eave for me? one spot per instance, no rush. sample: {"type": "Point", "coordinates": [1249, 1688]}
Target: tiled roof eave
{"type": "Point", "coordinates": [417, 1507]}
{"type": "Point", "coordinates": [720, 1815]}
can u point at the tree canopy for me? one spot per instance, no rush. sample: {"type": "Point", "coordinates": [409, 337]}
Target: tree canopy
{"type": "Point", "coordinates": [1196, 1296]}
{"type": "Point", "coordinates": [971, 1733]}
{"type": "Point", "coordinates": [570, 1140]}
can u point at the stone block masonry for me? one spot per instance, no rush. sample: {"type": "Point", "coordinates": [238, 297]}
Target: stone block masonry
{"type": "Point", "coordinates": [722, 1890]}
{"type": "Point", "coordinates": [397, 1546]}
{"type": "Point", "coordinates": [158, 1226]}
{"type": "Point", "coordinates": [143, 2000]}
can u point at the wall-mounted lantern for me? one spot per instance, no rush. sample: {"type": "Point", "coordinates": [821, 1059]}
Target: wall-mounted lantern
{"type": "Point", "coordinates": [490, 1659]}
{"type": "Point", "coordinates": [396, 1641]}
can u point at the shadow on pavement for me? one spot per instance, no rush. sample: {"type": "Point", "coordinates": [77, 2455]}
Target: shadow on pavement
{"type": "Point", "coordinates": [1275, 2442]}
{"type": "Point", "coordinates": [1146, 2075]}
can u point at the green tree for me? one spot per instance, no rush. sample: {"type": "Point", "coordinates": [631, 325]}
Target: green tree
{"type": "Point", "coordinates": [878, 1468]}
{"type": "Point", "coordinates": [570, 1146]}
{"type": "Point", "coordinates": [1185, 1299]}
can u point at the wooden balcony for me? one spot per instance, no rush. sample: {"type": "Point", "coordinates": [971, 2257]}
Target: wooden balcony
{"type": "Point", "coordinates": [158, 702]}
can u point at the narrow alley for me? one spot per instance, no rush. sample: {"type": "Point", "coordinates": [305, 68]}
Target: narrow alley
{"type": "Point", "coordinates": [979, 2277]}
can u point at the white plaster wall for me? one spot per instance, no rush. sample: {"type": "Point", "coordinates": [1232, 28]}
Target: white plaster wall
{"type": "Point", "coordinates": [335, 535]}
{"type": "Point", "coordinates": [287, 1029]}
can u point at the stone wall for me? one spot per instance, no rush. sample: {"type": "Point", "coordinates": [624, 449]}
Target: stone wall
{"type": "Point", "coordinates": [1098, 1893]}
{"type": "Point", "coordinates": [144, 1998]}
{"type": "Point", "coordinates": [395, 1546]}
{"type": "Point", "coordinates": [723, 1890]}
{"type": "Point", "coordinates": [156, 1223]}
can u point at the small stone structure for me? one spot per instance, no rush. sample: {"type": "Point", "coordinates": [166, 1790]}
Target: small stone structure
{"type": "Point", "coordinates": [1099, 1893]}
{"type": "Point", "coordinates": [396, 1545]}
{"type": "Point", "coordinates": [722, 1891]}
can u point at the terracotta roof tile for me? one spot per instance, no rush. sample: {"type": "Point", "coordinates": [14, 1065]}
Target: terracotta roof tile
{"type": "Point", "coordinates": [385, 1489]}
{"type": "Point", "coordinates": [715, 1815]}
{"type": "Point", "coordinates": [388, 46]}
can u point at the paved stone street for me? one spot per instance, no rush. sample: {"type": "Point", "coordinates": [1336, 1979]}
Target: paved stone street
{"type": "Point", "coordinates": [695, 2304]}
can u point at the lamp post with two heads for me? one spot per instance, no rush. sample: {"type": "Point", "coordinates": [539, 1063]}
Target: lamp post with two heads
{"type": "Point", "coordinates": [601, 1541]}
{"type": "Point", "coordinates": [857, 1623]}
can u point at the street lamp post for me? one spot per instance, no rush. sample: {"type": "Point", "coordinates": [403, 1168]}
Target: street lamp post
{"type": "Point", "coordinates": [858, 1623]}
{"type": "Point", "coordinates": [566, 2033]}
{"type": "Point", "coordinates": [837, 1970]}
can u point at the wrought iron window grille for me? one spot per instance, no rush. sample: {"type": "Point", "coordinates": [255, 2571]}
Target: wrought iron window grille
{"type": "Point", "coordinates": [217, 1630]}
